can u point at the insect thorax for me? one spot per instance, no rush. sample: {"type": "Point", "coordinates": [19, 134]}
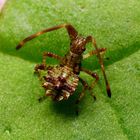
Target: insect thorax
{"type": "Point", "coordinates": [72, 61]}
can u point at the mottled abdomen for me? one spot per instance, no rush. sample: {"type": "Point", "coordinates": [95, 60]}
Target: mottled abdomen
{"type": "Point", "coordinates": [60, 82]}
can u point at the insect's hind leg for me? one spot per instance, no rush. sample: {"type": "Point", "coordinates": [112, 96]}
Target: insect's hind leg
{"type": "Point", "coordinates": [93, 74]}
{"type": "Point", "coordinates": [85, 87]}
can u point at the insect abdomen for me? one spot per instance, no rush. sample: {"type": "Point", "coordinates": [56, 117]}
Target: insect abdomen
{"type": "Point", "coordinates": [61, 81]}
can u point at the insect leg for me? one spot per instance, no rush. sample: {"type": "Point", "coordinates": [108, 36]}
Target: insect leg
{"type": "Point", "coordinates": [91, 39]}
{"type": "Point", "coordinates": [86, 87]}
{"type": "Point", "coordinates": [94, 52]}
{"type": "Point", "coordinates": [94, 75]}
{"type": "Point", "coordinates": [70, 29]}
{"type": "Point", "coordinates": [49, 54]}
{"type": "Point", "coordinates": [45, 55]}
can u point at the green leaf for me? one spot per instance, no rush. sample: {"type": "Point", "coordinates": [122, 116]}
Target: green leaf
{"type": "Point", "coordinates": [115, 25]}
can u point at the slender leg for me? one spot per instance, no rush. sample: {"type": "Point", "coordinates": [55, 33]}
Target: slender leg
{"type": "Point", "coordinates": [94, 52]}
{"type": "Point", "coordinates": [43, 65]}
{"type": "Point", "coordinates": [91, 39]}
{"type": "Point", "coordinates": [49, 54]}
{"type": "Point", "coordinates": [70, 29]}
{"type": "Point", "coordinates": [94, 75]}
{"type": "Point", "coordinates": [85, 87]}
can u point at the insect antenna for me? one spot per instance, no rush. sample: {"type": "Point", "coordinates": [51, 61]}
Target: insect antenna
{"type": "Point", "coordinates": [36, 35]}
{"type": "Point", "coordinates": [70, 29]}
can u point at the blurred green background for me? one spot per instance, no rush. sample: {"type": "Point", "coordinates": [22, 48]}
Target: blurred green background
{"type": "Point", "coordinates": [115, 25]}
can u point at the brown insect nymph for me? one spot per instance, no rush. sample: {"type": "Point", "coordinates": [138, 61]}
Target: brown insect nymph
{"type": "Point", "coordinates": [62, 80]}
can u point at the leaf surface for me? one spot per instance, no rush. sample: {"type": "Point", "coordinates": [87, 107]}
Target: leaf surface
{"type": "Point", "coordinates": [115, 25]}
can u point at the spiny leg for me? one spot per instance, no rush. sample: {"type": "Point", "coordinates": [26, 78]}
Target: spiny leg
{"type": "Point", "coordinates": [94, 52]}
{"type": "Point", "coordinates": [91, 39]}
{"type": "Point", "coordinates": [70, 29]}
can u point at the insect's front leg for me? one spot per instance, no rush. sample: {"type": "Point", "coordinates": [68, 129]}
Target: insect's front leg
{"type": "Point", "coordinates": [91, 39]}
{"type": "Point", "coordinates": [94, 52]}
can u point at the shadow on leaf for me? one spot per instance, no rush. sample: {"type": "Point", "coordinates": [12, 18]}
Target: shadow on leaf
{"type": "Point", "coordinates": [68, 107]}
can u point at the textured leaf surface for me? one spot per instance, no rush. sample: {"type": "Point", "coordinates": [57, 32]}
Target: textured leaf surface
{"type": "Point", "coordinates": [115, 25]}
